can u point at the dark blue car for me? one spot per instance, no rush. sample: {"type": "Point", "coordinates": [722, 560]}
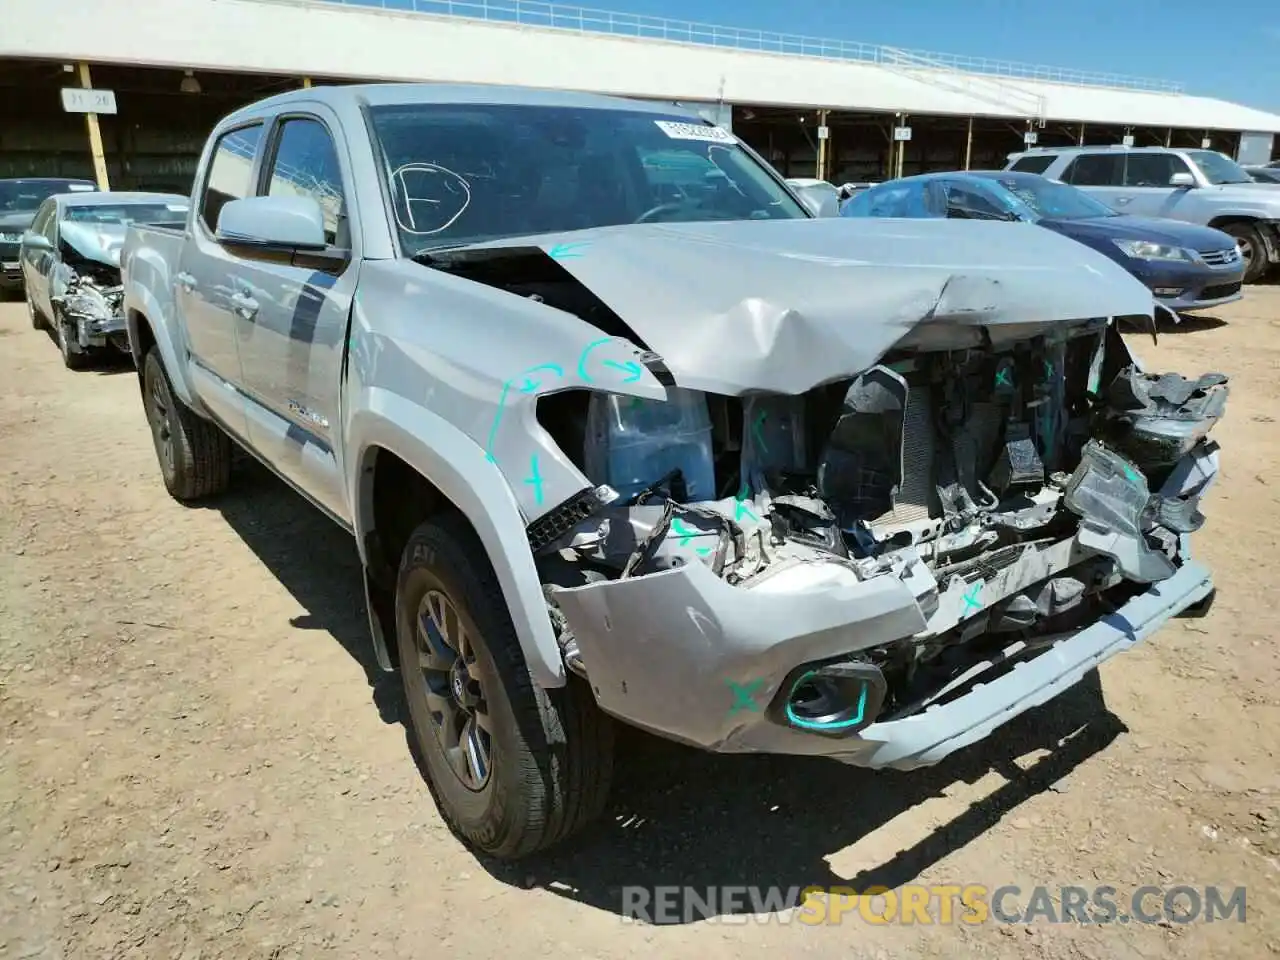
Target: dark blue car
{"type": "Point", "coordinates": [1187, 267]}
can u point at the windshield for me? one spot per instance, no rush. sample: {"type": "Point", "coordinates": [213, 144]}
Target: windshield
{"type": "Point", "coordinates": [1054, 201]}
{"type": "Point", "coordinates": [124, 213]}
{"type": "Point", "coordinates": [460, 174]}
{"type": "Point", "coordinates": [1218, 168]}
{"type": "Point", "coordinates": [22, 195]}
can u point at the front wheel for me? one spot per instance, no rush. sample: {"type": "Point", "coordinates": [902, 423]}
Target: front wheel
{"type": "Point", "coordinates": [74, 357]}
{"type": "Point", "coordinates": [194, 454]}
{"type": "Point", "coordinates": [1252, 250]}
{"type": "Point", "coordinates": [37, 321]}
{"type": "Point", "coordinates": [513, 768]}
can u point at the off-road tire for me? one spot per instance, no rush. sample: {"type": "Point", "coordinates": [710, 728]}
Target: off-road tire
{"type": "Point", "coordinates": [1246, 234]}
{"type": "Point", "coordinates": [198, 462]}
{"type": "Point", "coordinates": [551, 751]}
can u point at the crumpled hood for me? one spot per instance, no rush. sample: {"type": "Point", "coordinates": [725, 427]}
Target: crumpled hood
{"type": "Point", "coordinates": [786, 305]}
{"type": "Point", "coordinates": [95, 241]}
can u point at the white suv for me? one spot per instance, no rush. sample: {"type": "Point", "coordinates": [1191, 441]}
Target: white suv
{"type": "Point", "coordinates": [1196, 186]}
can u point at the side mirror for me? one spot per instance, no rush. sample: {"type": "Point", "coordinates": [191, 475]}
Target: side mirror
{"type": "Point", "coordinates": [276, 224]}
{"type": "Point", "coordinates": [1182, 180]}
{"type": "Point", "coordinates": [820, 199]}
{"type": "Point", "coordinates": [36, 241]}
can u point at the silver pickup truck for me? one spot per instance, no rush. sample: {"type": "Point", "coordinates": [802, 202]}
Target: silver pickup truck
{"type": "Point", "coordinates": [622, 431]}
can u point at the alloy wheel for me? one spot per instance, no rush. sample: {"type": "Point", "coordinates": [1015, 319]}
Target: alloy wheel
{"type": "Point", "coordinates": [160, 415]}
{"type": "Point", "coordinates": [454, 686]}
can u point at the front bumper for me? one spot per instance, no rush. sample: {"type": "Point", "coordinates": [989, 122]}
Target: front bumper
{"type": "Point", "coordinates": [1184, 289]}
{"type": "Point", "coordinates": [683, 654]}
{"type": "Point", "coordinates": [10, 271]}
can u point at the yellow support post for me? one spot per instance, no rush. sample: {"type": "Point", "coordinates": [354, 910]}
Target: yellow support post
{"type": "Point", "coordinates": [968, 146]}
{"type": "Point", "coordinates": [306, 83]}
{"type": "Point", "coordinates": [95, 134]}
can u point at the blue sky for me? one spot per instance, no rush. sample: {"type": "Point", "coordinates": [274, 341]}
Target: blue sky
{"type": "Point", "coordinates": [1229, 50]}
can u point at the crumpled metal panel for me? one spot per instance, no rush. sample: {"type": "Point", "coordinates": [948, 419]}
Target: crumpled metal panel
{"type": "Point", "coordinates": [786, 305]}
{"type": "Point", "coordinates": [95, 241]}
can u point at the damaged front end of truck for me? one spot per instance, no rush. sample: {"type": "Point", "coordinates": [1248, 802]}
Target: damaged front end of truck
{"type": "Point", "coordinates": [872, 505]}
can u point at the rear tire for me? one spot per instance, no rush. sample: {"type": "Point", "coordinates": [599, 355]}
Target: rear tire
{"type": "Point", "coordinates": [194, 454]}
{"type": "Point", "coordinates": [1251, 247]}
{"type": "Point", "coordinates": [513, 768]}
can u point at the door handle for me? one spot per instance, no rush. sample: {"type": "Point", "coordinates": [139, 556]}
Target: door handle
{"type": "Point", "coordinates": [1123, 199]}
{"type": "Point", "coordinates": [243, 306]}
{"type": "Point", "coordinates": [185, 280]}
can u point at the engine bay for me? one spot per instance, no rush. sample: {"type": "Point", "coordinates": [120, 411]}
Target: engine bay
{"type": "Point", "coordinates": [1018, 490]}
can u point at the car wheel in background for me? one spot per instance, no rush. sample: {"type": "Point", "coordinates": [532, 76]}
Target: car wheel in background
{"type": "Point", "coordinates": [194, 454]}
{"type": "Point", "coordinates": [1249, 242]}
{"type": "Point", "coordinates": [513, 768]}
{"type": "Point", "coordinates": [73, 357]}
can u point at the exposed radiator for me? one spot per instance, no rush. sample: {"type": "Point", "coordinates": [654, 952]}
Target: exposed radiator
{"type": "Point", "coordinates": [918, 498]}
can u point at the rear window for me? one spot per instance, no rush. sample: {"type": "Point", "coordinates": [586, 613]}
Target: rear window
{"type": "Point", "coordinates": [1038, 164]}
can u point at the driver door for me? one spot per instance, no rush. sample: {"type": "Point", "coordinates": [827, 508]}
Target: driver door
{"type": "Point", "coordinates": [37, 265]}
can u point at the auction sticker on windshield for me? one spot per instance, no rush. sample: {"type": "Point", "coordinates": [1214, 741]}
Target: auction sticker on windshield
{"type": "Point", "coordinates": [695, 131]}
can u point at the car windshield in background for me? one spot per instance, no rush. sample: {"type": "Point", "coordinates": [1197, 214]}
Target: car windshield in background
{"type": "Point", "coordinates": [460, 174]}
{"type": "Point", "coordinates": [1055, 201]}
{"type": "Point", "coordinates": [1218, 168]}
{"type": "Point", "coordinates": [21, 195]}
{"type": "Point", "coordinates": [127, 213]}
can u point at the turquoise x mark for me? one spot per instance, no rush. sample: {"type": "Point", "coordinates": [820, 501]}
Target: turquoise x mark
{"type": "Point", "coordinates": [686, 534]}
{"type": "Point", "coordinates": [744, 696]}
{"type": "Point", "coordinates": [971, 597]}
{"type": "Point", "coordinates": [1002, 378]}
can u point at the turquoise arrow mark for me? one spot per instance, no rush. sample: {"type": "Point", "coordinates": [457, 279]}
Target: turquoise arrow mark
{"type": "Point", "coordinates": [568, 251]}
{"type": "Point", "coordinates": [633, 369]}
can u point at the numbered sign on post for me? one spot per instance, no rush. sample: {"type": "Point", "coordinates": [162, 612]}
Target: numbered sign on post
{"type": "Point", "coordinates": [79, 100]}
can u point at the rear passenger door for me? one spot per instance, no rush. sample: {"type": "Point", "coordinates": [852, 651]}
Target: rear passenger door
{"type": "Point", "coordinates": [1101, 175]}
{"type": "Point", "coordinates": [292, 345]}
{"type": "Point", "coordinates": [205, 286]}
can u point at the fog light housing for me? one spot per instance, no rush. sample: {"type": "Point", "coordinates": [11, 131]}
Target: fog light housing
{"type": "Point", "coordinates": [1168, 292]}
{"type": "Point", "coordinates": [834, 699]}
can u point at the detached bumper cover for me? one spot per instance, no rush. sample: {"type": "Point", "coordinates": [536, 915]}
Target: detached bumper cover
{"type": "Point", "coordinates": [690, 657]}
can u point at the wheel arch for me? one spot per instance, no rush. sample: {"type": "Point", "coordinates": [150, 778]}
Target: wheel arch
{"type": "Point", "coordinates": [400, 476]}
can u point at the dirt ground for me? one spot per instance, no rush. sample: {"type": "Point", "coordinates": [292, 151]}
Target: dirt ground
{"type": "Point", "coordinates": [198, 760]}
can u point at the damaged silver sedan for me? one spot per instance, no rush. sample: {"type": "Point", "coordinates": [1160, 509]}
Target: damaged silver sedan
{"type": "Point", "coordinates": [70, 263]}
{"type": "Point", "coordinates": [621, 430]}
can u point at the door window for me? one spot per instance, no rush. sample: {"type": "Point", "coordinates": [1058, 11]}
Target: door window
{"type": "Point", "coordinates": [1096, 170]}
{"type": "Point", "coordinates": [43, 223]}
{"type": "Point", "coordinates": [306, 165]}
{"type": "Point", "coordinates": [230, 174]}
{"type": "Point", "coordinates": [1152, 169]}
{"type": "Point", "coordinates": [970, 203]}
